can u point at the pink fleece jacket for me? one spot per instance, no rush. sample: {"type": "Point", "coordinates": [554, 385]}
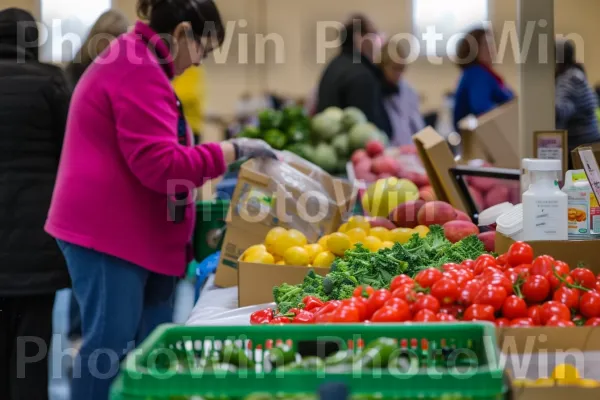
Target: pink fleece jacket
{"type": "Point", "coordinates": [121, 156]}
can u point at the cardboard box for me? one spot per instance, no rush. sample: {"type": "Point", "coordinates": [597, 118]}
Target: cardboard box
{"type": "Point", "coordinates": [256, 281]}
{"type": "Point", "coordinates": [493, 136]}
{"type": "Point", "coordinates": [437, 158]}
{"type": "Point", "coordinates": [555, 393]}
{"type": "Point", "coordinates": [577, 160]}
{"type": "Point", "coordinates": [291, 194]}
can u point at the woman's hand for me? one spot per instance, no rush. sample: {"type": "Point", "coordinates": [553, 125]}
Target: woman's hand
{"type": "Point", "coordinates": [251, 148]}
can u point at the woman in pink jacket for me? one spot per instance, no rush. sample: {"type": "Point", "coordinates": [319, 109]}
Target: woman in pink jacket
{"type": "Point", "coordinates": [122, 209]}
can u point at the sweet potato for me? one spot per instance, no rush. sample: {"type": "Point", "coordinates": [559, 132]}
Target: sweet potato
{"type": "Point", "coordinates": [489, 240]}
{"type": "Point", "coordinates": [462, 216]}
{"type": "Point", "coordinates": [427, 193]}
{"type": "Point", "coordinates": [436, 213]}
{"type": "Point", "coordinates": [456, 231]}
{"type": "Point", "coordinates": [405, 215]}
{"type": "Point", "coordinates": [381, 222]}
{"type": "Point", "coordinates": [498, 194]}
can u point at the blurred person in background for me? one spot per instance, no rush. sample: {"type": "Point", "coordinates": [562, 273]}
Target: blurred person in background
{"type": "Point", "coordinates": [34, 100]}
{"type": "Point", "coordinates": [352, 79]}
{"type": "Point", "coordinates": [401, 100]}
{"type": "Point", "coordinates": [190, 88]}
{"type": "Point", "coordinates": [123, 208]}
{"type": "Point", "coordinates": [481, 88]}
{"type": "Point", "coordinates": [108, 27]}
{"type": "Point", "coordinates": [575, 100]}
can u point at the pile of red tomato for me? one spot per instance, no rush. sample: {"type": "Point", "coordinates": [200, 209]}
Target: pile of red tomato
{"type": "Point", "coordinates": [514, 289]}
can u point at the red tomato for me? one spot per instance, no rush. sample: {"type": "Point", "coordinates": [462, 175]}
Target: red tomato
{"type": "Point", "coordinates": [499, 279]}
{"type": "Point", "coordinates": [519, 253]}
{"type": "Point", "coordinates": [578, 320]}
{"type": "Point", "coordinates": [560, 323]}
{"type": "Point", "coordinates": [445, 290]}
{"type": "Point", "coordinates": [514, 307]}
{"type": "Point", "coordinates": [345, 314]}
{"type": "Point", "coordinates": [452, 274]}
{"type": "Point", "coordinates": [584, 277]}
{"type": "Point", "coordinates": [562, 268]}
{"type": "Point", "coordinates": [399, 281]}
{"type": "Point", "coordinates": [489, 271]}
{"type": "Point", "coordinates": [491, 295]}
{"type": "Point", "coordinates": [554, 309]}
{"type": "Point", "coordinates": [536, 289]}
{"type": "Point", "coordinates": [451, 266]}
{"type": "Point", "coordinates": [479, 312]}
{"type": "Point", "coordinates": [521, 323]}
{"type": "Point", "coordinates": [502, 259]}
{"type": "Point", "coordinates": [483, 262]}
{"type": "Point", "coordinates": [589, 305]}
{"type": "Point", "coordinates": [428, 277]}
{"type": "Point", "coordinates": [377, 300]}
{"type": "Point", "coordinates": [468, 292]}
{"type": "Point", "coordinates": [445, 317]}
{"type": "Point", "coordinates": [516, 274]}
{"type": "Point", "coordinates": [593, 322]}
{"type": "Point", "coordinates": [425, 316]}
{"type": "Point", "coordinates": [455, 310]}
{"type": "Point", "coordinates": [405, 292]}
{"type": "Point", "coordinates": [543, 265]}
{"type": "Point", "coordinates": [469, 264]}
{"type": "Point", "coordinates": [597, 288]}
{"type": "Point", "coordinates": [500, 322]}
{"type": "Point", "coordinates": [400, 305]}
{"type": "Point", "coordinates": [534, 313]}
{"type": "Point", "coordinates": [427, 302]}
{"type": "Point", "coordinates": [567, 296]}
{"type": "Point", "coordinates": [363, 291]}
{"type": "Point", "coordinates": [462, 276]}
{"type": "Point", "coordinates": [390, 314]}
{"type": "Point", "coordinates": [360, 305]}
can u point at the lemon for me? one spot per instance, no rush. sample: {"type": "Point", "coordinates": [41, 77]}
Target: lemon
{"type": "Point", "coordinates": [324, 259]}
{"type": "Point", "coordinates": [422, 230]}
{"type": "Point", "coordinates": [323, 242]}
{"type": "Point", "coordinates": [380, 232]}
{"type": "Point", "coordinates": [289, 239]}
{"type": "Point", "coordinates": [588, 383]}
{"type": "Point", "coordinates": [338, 243]}
{"type": "Point", "coordinates": [356, 235]}
{"type": "Point", "coordinates": [387, 245]}
{"type": "Point", "coordinates": [544, 382]}
{"type": "Point", "coordinates": [372, 243]}
{"type": "Point", "coordinates": [273, 235]}
{"type": "Point", "coordinates": [253, 250]}
{"type": "Point", "coordinates": [280, 262]}
{"type": "Point", "coordinates": [313, 250]}
{"type": "Point", "coordinates": [401, 235]}
{"type": "Point", "coordinates": [565, 372]}
{"type": "Point", "coordinates": [359, 221]}
{"type": "Point", "coordinates": [261, 258]}
{"type": "Point", "coordinates": [296, 255]}
{"type": "Point", "coordinates": [343, 228]}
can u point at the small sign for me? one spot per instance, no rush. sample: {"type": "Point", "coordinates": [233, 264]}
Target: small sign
{"type": "Point", "coordinates": [590, 166]}
{"type": "Point", "coordinates": [551, 145]}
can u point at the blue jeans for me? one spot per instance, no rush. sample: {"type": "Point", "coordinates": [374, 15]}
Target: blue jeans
{"type": "Point", "coordinates": [121, 303]}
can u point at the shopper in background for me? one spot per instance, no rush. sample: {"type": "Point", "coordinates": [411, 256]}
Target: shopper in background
{"type": "Point", "coordinates": [401, 101]}
{"type": "Point", "coordinates": [108, 27]}
{"type": "Point", "coordinates": [481, 88]}
{"type": "Point", "coordinates": [191, 91]}
{"type": "Point", "coordinates": [34, 99]}
{"type": "Point", "coordinates": [352, 79]}
{"type": "Point", "coordinates": [575, 100]}
{"type": "Point", "coordinates": [122, 210]}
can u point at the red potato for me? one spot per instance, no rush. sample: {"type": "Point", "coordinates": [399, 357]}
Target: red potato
{"type": "Point", "coordinates": [462, 216]}
{"type": "Point", "coordinates": [364, 165]}
{"type": "Point", "coordinates": [489, 240]}
{"type": "Point", "coordinates": [427, 194]}
{"type": "Point", "coordinates": [498, 194]}
{"type": "Point", "coordinates": [384, 175]}
{"type": "Point", "coordinates": [374, 148]}
{"type": "Point", "coordinates": [376, 222]}
{"type": "Point", "coordinates": [421, 180]}
{"type": "Point", "coordinates": [456, 231]}
{"type": "Point", "coordinates": [405, 215]}
{"type": "Point", "coordinates": [366, 176]}
{"type": "Point", "coordinates": [408, 149]}
{"type": "Point", "coordinates": [436, 213]}
{"type": "Point", "coordinates": [384, 164]}
{"type": "Point", "coordinates": [477, 198]}
{"type": "Point", "coordinates": [358, 156]}
{"type": "Point", "coordinates": [483, 184]}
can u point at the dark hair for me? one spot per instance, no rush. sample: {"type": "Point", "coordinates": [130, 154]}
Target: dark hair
{"type": "Point", "coordinates": [467, 50]}
{"type": "Point", "coordinates": [164, 16]}
{"type": "Point", "coordinates": [566, 57]}
{"type": "Point", "coordinates": [11, 30]}
{"type": "Point", "coordinates": [356, 24]}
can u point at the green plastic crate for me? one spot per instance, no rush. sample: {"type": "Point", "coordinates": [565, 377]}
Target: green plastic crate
{"type": "Point", "coordinates": [485, 381]}
{"type": "Point", "coordinates": [210, 225]}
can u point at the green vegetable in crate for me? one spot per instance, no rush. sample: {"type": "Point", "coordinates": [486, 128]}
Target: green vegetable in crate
{"type": "Point", "coordinates": [281, 355]}
{"type": "Point", "coordinates": [352, 116]}
{"type": "Point", "coordinates": [293, 116]}
{"type": "Point", "coordinates": [325, 157]}
{"type": "Point", "coordinates": [334, 112]}
{"type": "Point", "coordinates": [326, 126]}
{"type": "Point", "coordinates": [376, 355]}
{"type": "Point", "coordinates": [303, 150]}
{"type": "Point", "coordinates": [296, 133]}
{"type": "Point", "coordinates": [269, 119]}
{"type": "Point", "coordinates": [361, 134]}
{"type": "Point", "coordinates": [341, 144]}
{"type": "Point", "coordinates": [275, 138]}
{"type": "Point", "coordinates": [250, 132]}
{"type": "Point", "coordinates": [234, 355]}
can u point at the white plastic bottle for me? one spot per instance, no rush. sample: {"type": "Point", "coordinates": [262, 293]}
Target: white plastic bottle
{"type": "Point", "coordinates": [545, 206]}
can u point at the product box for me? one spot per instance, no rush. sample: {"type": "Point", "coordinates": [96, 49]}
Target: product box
{"type": "Point", "coordinates": [256, 281]}
{"type": "Point", "coordinates": [555, 393]}
{"type": "Point", "coordinates": [577, 164]}
{"type": "Point", "coordinates": [437, 158]}
{"type": "Point", "coordinates": [493, 136]}
{"type": "Point", "coordinates": [292, 194]}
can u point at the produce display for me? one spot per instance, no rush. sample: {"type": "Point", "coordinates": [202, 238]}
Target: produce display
{"type": "Point", "coordinates": [326, 140]}
{"type": "Point", "coordinates": [514, 289]}
{"type": "Point", "coordinates": [562, 374]}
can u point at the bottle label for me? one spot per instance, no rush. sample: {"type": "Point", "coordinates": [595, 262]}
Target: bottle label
{"type": "Point", "coordinates": [545, 221]}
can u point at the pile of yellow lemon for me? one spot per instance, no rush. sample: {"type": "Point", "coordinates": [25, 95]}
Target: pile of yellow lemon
{"type": "Point", "coordinates": [563, 375]}
{"type": "Point", "coordinates": [290, 247]}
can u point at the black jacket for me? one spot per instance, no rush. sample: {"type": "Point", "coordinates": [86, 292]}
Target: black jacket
{"type": "Point", "coordinates": [34, 100]}
{"type": "Point", "coordinates": [350, 83]}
